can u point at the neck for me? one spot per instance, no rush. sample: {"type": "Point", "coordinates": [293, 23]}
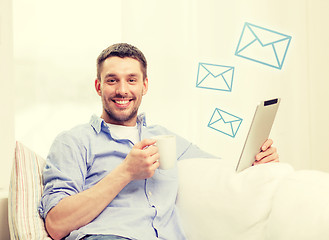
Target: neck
{"type": "Point", "coordinates": [129, 123]}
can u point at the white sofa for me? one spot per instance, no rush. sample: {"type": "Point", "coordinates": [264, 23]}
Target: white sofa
{"type": "Point", "coordinates": [266, 202]}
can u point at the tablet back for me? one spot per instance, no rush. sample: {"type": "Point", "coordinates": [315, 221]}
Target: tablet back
{"type": "Point", "coordinates": [259, 132]}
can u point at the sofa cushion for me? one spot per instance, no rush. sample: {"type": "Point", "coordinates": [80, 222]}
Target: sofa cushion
{"type": "Point", "coordinates": [24, 195]}
{"type": "Point", "coordinates": [215, 202]}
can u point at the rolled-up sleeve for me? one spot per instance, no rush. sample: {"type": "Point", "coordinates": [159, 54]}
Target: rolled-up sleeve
{"type": "Point", "coordinates": [64, 173]}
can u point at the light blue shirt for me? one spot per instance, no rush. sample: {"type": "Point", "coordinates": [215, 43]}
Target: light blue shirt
{"type": "Point", "coordinates": [143, 210]}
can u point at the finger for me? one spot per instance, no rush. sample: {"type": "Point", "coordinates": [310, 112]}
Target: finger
{"type": "Point", "coordinates": [268, 152]}
{"type": "Point", "coordinates": [155, 164]}
{"type": "Point", "coordinates": [151, 150]}
{"type": "Point", "coordinates": [267, 160]}
{"type": "Point", "coordinates": [145, 143]}
{"type": "Point", "coordinates": [267, 144]}
{"type": "Point", "coordinates": [154, 158]}
{"type": "Point", "coordinates": [270, 158]}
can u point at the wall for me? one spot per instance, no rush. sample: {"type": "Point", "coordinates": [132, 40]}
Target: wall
{"type": "Point", "coordinates": [178, 35]}
{"type": "Point", "coordinates": [56, 47]}
{"type": "Point", "coordinates": [318, 77]}
{"type": "Point", "coordinates": [6, 92]}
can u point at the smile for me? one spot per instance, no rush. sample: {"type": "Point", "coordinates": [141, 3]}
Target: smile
{"type": "Point", "coordinates": [123, 103]}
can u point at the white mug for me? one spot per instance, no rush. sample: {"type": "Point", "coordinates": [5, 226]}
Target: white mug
{"type": "Point", "coordinates": [166, 145]}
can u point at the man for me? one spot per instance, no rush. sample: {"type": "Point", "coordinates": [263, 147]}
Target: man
{"type": "Point", "coordinates": [102, 179]}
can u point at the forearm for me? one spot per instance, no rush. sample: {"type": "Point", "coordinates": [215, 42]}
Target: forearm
{"type": "Point", "coordinates": [80, 209]}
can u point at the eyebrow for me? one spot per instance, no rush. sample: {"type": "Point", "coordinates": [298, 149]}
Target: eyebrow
{"type": "Point", "coordinates": [133, 75]}
{"type": "Point", "coordinates": [109, 75]}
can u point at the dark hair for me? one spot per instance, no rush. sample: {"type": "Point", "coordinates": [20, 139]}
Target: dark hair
{"type": "Point", "coordinates": [122, 50]}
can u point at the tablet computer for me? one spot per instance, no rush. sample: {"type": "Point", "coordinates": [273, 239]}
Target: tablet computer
{"type": "Point", "coordinates": [259, 132]}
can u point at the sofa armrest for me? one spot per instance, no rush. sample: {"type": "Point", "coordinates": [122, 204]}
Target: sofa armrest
{"type": "Point", "coordinates": [4, 228]}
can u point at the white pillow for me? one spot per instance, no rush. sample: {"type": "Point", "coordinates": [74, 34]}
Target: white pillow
{"type": "Point", "coordinates": [217, 203]}
{"type": "Point", "coordinates": [24, 195]}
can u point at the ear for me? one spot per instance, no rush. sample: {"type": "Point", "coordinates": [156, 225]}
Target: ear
{"type": "Point", "coordinates": [145, 86]}
{"type": "Point", "coordinates": [98, 86]}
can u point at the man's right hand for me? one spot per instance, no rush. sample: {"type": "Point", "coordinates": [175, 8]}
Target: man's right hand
{"type": "Point", "coordinates": [142, 161]}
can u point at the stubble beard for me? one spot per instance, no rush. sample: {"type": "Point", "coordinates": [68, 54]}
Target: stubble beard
{"type": "Point", "coordinates": [119, 118]}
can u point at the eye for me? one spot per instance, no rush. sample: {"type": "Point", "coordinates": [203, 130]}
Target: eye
{"type": "Point", "coordinates": [132, 80]}
{"type": "Point", "coordinates": [110, 80]}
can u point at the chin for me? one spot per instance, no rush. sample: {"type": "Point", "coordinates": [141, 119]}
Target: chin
{"type": "Point", "coordinates": [121, 118]}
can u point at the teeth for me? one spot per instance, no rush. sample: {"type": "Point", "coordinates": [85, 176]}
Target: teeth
{"type": "Point", "coordinates": [122, 102]}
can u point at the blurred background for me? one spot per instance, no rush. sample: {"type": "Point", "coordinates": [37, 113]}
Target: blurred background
{"type": "Point", "coordinates": [48, 52]}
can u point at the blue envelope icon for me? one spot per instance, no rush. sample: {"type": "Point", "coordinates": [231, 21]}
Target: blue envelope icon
{"type": "Point", "coordinates": [263, 45]}
{"type": "Point", "coordinates": [216, 77]}
{"type": "Point", "coordinates": [225, 122]}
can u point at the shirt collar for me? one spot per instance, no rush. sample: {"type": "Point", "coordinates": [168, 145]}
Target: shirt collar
{"type": "Point", "coordinates": [97, 123]}
{"type": "Point", "coordinates": [141, 120]}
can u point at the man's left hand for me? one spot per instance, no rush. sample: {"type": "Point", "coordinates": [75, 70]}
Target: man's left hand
{"type": "Point", "coordinates": [267, 153]}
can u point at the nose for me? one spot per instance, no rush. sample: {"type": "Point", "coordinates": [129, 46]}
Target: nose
{"type": "Point", "coordinates": [122, 88]}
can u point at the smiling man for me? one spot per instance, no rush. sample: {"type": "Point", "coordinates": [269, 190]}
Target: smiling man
{"type": "Point", "coordinates": [123, 85]}
{"type": "Point", "coordinates": [102, 179]}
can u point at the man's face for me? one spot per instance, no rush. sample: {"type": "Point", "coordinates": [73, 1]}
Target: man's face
{"type": "Point", "coordinates": [121, 88]}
